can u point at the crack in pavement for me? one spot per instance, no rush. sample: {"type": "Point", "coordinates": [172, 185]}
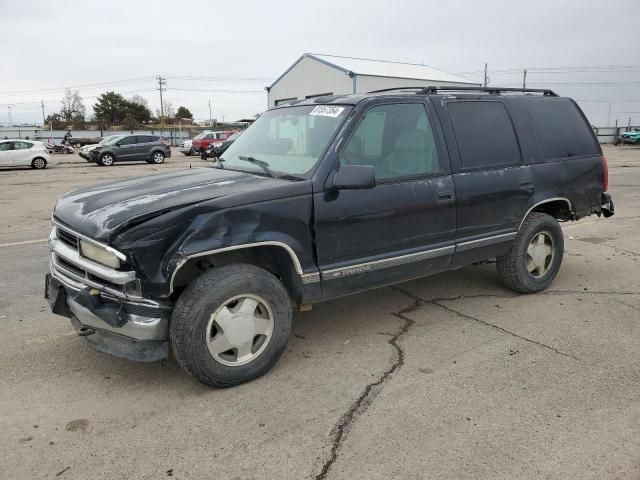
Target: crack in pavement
{"type": "Point", "coordinates": [437, 302]}
{"type": "Point", "coordinates": [371, 390]}
{"type": "Point", "coordinates": [504, 330]}
{"type": "Point", "coordinates": [614, 248]}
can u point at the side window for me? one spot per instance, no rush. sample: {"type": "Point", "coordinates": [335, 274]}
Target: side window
{"type": "Point", "coordinates": [484, 134]}
{"type": "Point", "coordinates": [396, 139]}
{"type": "Point", "coordinates": [223, 136]}
{"type": "Point", "coordinates": [5, 146]}
{"type": "Point", "coordinates": [560, 128]}
{"type": "Point", "coordinates": [22, 145]}
{"type": "Point", "coordinates": [153, 138]}
{"type": "Point", "coordinates": [130, 140]}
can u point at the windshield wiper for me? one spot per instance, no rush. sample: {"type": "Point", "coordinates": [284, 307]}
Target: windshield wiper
{"type": "Point", "coordinates": [262, 164]}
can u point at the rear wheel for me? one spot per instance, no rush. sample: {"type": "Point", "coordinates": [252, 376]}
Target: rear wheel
{"type": "Point", "coordinates": [535, 257]}
{"type": "Point", "coordinates": [78, 145]}
{"type": "Point", "coordinates": [106, 160]}
{"type": "Point", "coordinates": [38, 163]}
{"type": "Point", "coordinates": [157, 158]}
{"type": "Point", "coordinates": [231, 325]}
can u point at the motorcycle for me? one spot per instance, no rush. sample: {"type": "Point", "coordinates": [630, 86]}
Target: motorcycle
{"type": "Point", "coordinates": [65, 148]}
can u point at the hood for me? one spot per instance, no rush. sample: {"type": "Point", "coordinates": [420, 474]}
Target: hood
{"type": "Point", "coordinates": [102, 212]}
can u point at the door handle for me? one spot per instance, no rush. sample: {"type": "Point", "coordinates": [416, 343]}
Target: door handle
{"type": "Point", "coordinates": [444, 194]}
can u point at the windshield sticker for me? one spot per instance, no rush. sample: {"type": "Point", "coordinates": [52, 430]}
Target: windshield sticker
{"type": "Point", "coordinates": [327, 111]}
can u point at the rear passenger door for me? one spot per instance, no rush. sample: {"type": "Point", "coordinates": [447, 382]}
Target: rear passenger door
{"type": "Point", "coordinates": [403, 227]}
{"type": "Point", "coordinates": [493, 185]}
{"type": "Point", "coordinates": [144, 144]}
{"type": "Point", "coordinates": [22, 153]}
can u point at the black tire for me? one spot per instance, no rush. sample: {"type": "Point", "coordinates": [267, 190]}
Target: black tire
{"type": "Point", "coordinates": [78, 145]}
{"type": "Point", "coordinates": [157, 158]}
{"type": "Point", "coordinates": [512, 267]}
{"type": "Point", "coordinates": [106, 159]}
{"type": "Point", "coordinates": [202, 298]}
{"type": "Point", "coordinates": [38, 163]}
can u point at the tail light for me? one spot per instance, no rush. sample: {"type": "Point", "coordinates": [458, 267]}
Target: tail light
{"type": "Point", "coordinates": [605, 173]}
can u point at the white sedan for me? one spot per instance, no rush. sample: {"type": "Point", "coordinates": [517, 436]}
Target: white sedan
{"type": "Point", "coordinates": [18, 153]}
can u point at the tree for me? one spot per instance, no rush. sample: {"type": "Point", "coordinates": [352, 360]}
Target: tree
{"type": "Point", "coordinates": [183, 112]}
{"type": "Point", "coordinates": [169, 112]}
{"type": "Point", "coordinates": [137, 99]}
{"type": "Point", "coordinates": [139, 112]}
{"type": "Point", "coordinates": [72, 105]}
{"type": "Point", "coordinates": [55, 120]}
{"type": "Point", "coordinates": [111, 108]}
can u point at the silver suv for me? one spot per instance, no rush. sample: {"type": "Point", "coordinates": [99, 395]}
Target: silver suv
{"type": "Point", "coordinates": [131, 147]}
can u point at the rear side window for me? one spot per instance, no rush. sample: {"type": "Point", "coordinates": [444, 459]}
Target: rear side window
{"type": "Point", "coordinates": [560, 128]}
{"type": "Point", "coordinates": [22, 145]}
{"type": "Point", "coordinates": [484, 133]}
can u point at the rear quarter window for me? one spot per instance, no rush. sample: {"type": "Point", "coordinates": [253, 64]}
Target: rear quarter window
{"type": "Point", "coordinates": [484, 134]}
{"type": "Point", "coordinates": [560, 128]}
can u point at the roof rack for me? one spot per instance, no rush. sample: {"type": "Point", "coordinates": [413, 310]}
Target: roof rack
{"type": "Point", "coordinates": [490, 90]}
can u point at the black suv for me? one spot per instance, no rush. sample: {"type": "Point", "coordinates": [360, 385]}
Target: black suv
{"type": "Point", "coordinates": [131, 147]}
{"type": "Point", "coordinates": [327, 197]}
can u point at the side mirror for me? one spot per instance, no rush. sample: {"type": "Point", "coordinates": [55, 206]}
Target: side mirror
{"type": "Point", "coordinates": [354, 177]}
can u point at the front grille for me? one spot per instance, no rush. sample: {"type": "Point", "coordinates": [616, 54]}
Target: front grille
{"type": "Point", "coordinates": [68, 238]}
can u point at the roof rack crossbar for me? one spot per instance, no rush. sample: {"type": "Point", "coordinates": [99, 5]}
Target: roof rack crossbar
{"type": "Point", "coordinates": [490, 90]}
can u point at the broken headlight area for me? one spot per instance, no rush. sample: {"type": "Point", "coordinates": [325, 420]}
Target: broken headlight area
{"type": "Point", "coordinates": [103, 256]}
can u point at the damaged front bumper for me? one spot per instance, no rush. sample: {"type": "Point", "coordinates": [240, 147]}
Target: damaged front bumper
{"type": "Point", "coordinates": [98, 303]}
{"type": "Point", "coordinates": [108, 325]}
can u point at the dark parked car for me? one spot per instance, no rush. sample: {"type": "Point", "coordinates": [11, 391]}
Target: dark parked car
{"type": "Point", "coordinates": [216, 149]}
{"type": "Point", "coordinates": [131, 147]}
{"type": "Point", "coordinates": [317, 200]}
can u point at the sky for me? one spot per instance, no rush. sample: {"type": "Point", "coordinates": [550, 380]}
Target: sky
{"type": "Point", "coordinates": [227, 52]}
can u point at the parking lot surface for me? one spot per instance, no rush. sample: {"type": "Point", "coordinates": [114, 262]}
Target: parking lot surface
{"type": "Point", "coordinates": [450, 376]}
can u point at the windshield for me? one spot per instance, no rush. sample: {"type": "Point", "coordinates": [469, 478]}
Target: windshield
{"type": "Point", "coordinates": [112, 140]}
{"type": "Point", "coordinates": [200, 136]}
{"type": "Point", "coordinates": [106, 140]}
{"type": "Point", "coordinates": [287, 140]}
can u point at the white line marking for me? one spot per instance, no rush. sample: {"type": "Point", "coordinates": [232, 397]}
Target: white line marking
{"type": "Point", "coordinates": [26, 242]}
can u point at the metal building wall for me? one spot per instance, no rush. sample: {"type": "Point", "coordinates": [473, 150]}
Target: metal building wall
{"type": "Point", "coordinates": [310, 77]}
{"type": "Point", "coordinates": [365, 83]}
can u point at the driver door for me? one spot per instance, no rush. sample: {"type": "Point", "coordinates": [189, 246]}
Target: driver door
{"type": "Point", "coordinates": [402, 228]}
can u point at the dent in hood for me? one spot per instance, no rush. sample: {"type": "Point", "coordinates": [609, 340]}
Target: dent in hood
{"type": "Point", "coordinates": [102, 211]}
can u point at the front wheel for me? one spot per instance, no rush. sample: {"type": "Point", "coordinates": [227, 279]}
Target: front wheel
{"type": "Point", "coordinates": [157, 158]}
{"type": "Point", "coordinates": [231, 325]}
{"type": "Point", "coordinates": [533, 260]}
{"type": "Point", "coordinates": [106, 160]}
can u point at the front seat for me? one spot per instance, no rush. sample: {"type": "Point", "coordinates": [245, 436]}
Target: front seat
{"type": "Point", "coordinates": [412, 154]}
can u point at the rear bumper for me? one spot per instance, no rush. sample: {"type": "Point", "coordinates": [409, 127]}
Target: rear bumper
{"type": "Point", "coordinates": [607, 207]}
{"type": "Point", "coordinates": [117, 327]}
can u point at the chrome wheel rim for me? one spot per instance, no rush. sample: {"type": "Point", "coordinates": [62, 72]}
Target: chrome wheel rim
{"type": "Point", "coordinates": [107, 159]}
{"type": "Point", "coordinates": [240, 330]}
{"type": "Point", "coordinates": [158, 157]}
{"type": "Point", "coordinates": [38, 163]}
{"type": "Point", "coordinates": [540, 254]}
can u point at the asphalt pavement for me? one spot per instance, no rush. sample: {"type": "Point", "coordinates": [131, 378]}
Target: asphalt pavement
{"type": "Point", "coordinates": [446, 377]}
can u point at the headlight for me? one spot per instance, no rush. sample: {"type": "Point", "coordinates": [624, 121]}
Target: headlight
{"type": "Point", "coordinates": [99, 254]}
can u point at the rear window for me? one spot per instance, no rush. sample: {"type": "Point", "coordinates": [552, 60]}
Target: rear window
{"type": "Point", "coordinates": [484, 134]}
{"type": "Point", "coordinates": [560, 128]}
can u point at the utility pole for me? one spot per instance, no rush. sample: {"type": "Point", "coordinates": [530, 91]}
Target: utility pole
{"type": "Point", "coordinates": [486, 79]}
{"type": "Point", "coordinates": [43, 119]}
{"type": "Point", "coordinates": [524, 79]}
{"type": "Point", "coordinates": [161, 86]}
{"type": "Point", "coordinates": [609, 115]}
{"type": "Point", "coordinates": [10, 118]}
{"type": "Point", "coordinates": [210, 121]}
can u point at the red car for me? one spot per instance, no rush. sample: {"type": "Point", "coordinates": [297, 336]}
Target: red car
{"type": "Point", "coordinates": [201, 142]}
